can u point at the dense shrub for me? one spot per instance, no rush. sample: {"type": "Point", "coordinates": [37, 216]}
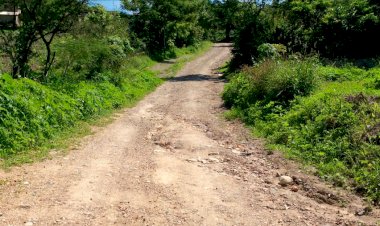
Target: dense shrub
{"type": "Point", "coordinates": [81, 59]}
{"type": "Point", "coordinates": [267, 51]}
{"type": "Point", "coordinates": [271, 81]}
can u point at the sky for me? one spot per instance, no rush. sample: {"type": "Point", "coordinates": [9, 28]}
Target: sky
{"type": "Point", "coordinates": [111, 5]}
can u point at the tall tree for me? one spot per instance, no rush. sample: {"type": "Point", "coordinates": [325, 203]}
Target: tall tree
{"type": "Point", "coordinates": [339, 28]}
{"type": "Point", "coordinates": [41, 20]}
{"type": "Point", "coordinates": [164, 23]}
{"type": "Point", "coordinates": [255, 28]}
{"type": "Point", "coordinates": [227, 12]}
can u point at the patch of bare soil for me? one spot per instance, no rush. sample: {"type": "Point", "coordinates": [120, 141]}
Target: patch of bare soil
{"type": "Point", "coordinates": [174, 160]}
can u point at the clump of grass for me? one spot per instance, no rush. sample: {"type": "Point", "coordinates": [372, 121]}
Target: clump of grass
{"type": "Point", "coordinates": [270, 86]}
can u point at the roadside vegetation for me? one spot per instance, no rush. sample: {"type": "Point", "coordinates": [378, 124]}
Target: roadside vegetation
{"type": "Point", "coordinates": [315, 93]}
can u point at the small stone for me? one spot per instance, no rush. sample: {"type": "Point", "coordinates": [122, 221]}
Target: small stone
{"type": "Point", "coordinates": [285, 180]}
{"type": "Point", "coordinates": [1, 214]}
{"type": "Point", "coordinates": [29, 223]}
{"type": "Point", "coordinates": [159, 151]}
{"type": "Point", "coordinates": [26, 183]}
{"type": "Point", "coordinates": [214, 160]}
{"type": "Point", "coordinates": [294, 188]}
{"type": "Point", "coordinates": [24, 206]}
{"type": "Point", "coordinates": [204, 161]}
{"type": "Point", "coordinates": [364, 211]}
{"type": "Point", "coordinates": [213, 153]}
{"type": "Point", "coordinates": [192, 160]}
{"type": "Point", "coordinates": [235, 151]}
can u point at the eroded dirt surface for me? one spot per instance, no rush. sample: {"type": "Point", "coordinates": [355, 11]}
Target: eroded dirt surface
{"type": "Point", "coordinates": [173, 160]}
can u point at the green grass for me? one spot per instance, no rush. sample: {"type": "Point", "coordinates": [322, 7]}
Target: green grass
{"type": "Point", "coordinates": [334, 126]}
{"type": "Point", "coordinates": [34, 115]}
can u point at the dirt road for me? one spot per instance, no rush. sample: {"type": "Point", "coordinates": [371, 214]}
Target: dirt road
{"type": "Point", "coordinates": [173, 160]}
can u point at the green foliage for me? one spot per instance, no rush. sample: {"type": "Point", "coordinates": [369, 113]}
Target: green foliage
{"type": "Point", "coordinates": [270, 51]}
{"type": "Point", "coordinates": [331, 29]}
{"type": "Point", "coordinates": [346, 28]}
{"type": "Point", "coordinates": [227, 15]}
{"type": "Point", "coordinates": [32, 113]}
{"type": "Point", "coordinates": [255, 29]}
{"type": "Point", "coordinates": [331, 73]}
{"type": "Point", "coordinates": [86, 58]}
{"type": "Point", "coordinates": [335, 127]}
{"type": "Point", "coordinates": [41, 21]}
{"type": "Point", "coordinates": [271, 81]}
{"type": "Point", "coordinates": [165, 24]}
{"type": "Point", "coordinates": [374, 82]}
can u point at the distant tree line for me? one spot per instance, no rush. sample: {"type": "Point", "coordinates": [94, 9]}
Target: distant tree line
{"type": "Point", "coordinates": [330, 28]}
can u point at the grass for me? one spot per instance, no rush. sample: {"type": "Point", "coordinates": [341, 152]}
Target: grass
{"type": "Point", "coordinates": [323, 116]}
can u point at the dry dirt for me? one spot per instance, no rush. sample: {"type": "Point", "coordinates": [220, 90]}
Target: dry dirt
{"type": "Point", "coordinates": [174, 160]}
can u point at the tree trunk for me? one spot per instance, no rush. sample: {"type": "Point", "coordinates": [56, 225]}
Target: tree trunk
{"type": "Point", "coordinates": [49, 59]}
{"type": "Point", "coordinates": [15, 70]}
{"type": "Point", "coordinates": [49, 56]}
{"type": "Point", "coordinates": [228, 32]}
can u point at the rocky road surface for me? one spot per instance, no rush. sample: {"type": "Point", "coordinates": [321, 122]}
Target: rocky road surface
{"type": "Point", "coordinates": [174, 160]}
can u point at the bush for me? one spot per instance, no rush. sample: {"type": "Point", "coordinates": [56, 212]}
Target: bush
{"type": "Point", "coordinates": [267, 50]}
{"type": "Point", "coordinates": [271, 81]}
{"type": "Point", "coordinates": [83, 59]}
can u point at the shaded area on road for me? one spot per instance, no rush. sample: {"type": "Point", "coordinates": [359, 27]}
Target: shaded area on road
{"type": "Point", "coordinates": [224, 45]}
{"type": "Point", "coordinates": [195, 78]}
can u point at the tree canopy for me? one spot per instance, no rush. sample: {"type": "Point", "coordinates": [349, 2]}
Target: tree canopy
{"type": "Point", "coordinates": [165, 23]}
{"type": "Point", "coordinates": [41, 20]}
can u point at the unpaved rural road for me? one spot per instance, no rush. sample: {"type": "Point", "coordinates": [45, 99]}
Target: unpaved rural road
{"type": "Point", "coordinates": [173, 160]}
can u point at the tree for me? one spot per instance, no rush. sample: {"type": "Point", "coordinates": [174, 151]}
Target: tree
{"type": "Point", "coordinates": [339, 28]}
{"type": "Point", "coordinates": [255, 28]}
{"type": "Point", "coordinates": [164, 23]}
{"type": "Point", "coordinates": [227, 12]}
{"type": "Point", "coordinates": [41, 20]}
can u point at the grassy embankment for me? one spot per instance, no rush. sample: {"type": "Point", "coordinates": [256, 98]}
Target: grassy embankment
{"type": "Point", "coordinates": [324, 116]}
{"type": "Point", "coordinates": [84, 87]}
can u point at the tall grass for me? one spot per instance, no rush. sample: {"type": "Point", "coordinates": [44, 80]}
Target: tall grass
{"type": "Point", "coordinates": [31, 113]}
